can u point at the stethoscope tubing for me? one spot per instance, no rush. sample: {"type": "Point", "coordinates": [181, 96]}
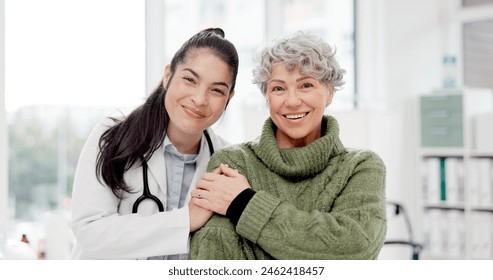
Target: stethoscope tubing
{"type": "Point", "coordinates": [146, 193]}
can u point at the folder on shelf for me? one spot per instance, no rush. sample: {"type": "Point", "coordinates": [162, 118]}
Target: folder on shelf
{"type": "Point", "coordinates": [443, 184]}
{"type": "Point", "coordinates": [485, 192]}
{"type": "Point", "coordinates": [456, 233]}
{"type": "Point", "coordinates": [452, 180]}
{"type": "Point", "coordinates": [482, 235]}
{"type": "Point", "coordinates": [431, 177]}
{"type": "Point", "coordinates": [473, 187]}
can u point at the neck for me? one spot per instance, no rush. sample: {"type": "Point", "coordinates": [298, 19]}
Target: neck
{"type": "Point", "coordinates": [284, 141]}
{"type": "Point", "coordinates": [302, 162]}
{"type": "Point", "coordinates": [184, 143]}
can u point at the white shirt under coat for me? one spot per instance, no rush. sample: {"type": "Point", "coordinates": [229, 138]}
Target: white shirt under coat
{"type": "Point", "coordinates": [180, 169]}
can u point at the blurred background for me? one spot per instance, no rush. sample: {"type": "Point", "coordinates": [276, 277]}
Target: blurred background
{"type": "Point", "coordinates": [418, 92]}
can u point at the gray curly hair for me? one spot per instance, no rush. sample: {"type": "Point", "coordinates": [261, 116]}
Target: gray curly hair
{"type": "Point", "coordinates": [303, 49]}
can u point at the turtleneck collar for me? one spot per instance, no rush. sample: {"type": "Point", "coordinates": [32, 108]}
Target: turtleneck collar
{"type": "Point", "coordinates": [299, 163]}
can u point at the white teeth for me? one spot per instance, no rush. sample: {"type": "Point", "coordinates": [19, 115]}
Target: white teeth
{"type": "Point", "coordinates": [297, 116]}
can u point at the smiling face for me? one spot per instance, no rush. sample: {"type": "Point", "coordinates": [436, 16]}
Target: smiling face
{"type": "Point", "coordinates": [197, 94]}
{"type": "Point", "coordinates": [297, 103]}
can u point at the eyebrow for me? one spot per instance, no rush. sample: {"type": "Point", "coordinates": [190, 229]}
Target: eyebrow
{"type": "Point", "coordinates": [297, 80]}
{"type": "Point", "coordinates": [198, 77]}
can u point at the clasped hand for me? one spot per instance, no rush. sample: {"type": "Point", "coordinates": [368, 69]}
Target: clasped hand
{"type": "Point", "coordinates": [216, 190]}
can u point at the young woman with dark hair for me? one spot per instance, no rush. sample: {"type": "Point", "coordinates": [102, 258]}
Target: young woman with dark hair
{"type": "Point", "coordinates": [134, 177]}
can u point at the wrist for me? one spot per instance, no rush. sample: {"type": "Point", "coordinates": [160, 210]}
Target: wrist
{"type": "Point", "coordinates": [238, 205]}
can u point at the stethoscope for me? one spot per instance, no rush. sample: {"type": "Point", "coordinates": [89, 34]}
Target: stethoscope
{"type": "Point", "coordinates": [147, 193]}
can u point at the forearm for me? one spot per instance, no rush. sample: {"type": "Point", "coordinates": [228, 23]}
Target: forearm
{"type": "Point", "coordinates": [285, 232]}
{"type": "Point", "coordinates": [133, 236]}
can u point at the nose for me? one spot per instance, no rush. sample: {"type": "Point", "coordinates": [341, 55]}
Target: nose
{"type": "Point", "coordinates": [200, 98]}
{"type": "Point", "coordinates": [292, 99]}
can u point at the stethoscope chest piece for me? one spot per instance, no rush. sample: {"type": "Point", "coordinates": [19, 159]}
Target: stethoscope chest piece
{"type": "Point", "coordinates": [146, 192]}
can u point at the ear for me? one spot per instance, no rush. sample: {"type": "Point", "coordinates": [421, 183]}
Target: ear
{"type": "Point", "coordinates": [167, 75]}
{"type": "Point", "coordinates": [330, 97]}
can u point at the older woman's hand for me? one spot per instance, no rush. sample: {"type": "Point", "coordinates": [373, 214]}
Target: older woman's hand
{"type": "Point", "coordinates": [215, 191]}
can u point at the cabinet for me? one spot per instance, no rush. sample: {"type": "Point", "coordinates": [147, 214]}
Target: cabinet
{"type": "Point", "coordinates": [455, 193]}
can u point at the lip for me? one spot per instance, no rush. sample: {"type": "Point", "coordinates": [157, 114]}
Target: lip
{"type": "Point", "coordinates": [193, 112]}
{"type": "Point", "coordinates": [294, 114]}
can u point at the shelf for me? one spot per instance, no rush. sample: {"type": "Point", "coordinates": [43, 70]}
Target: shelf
{"type": "Point", "coordinates": [428, 256]}
{"type": "Point", "coordinates": [459, 207]}
{"type": "Point", "coordinates": [454, 152]}
{"type": "Point", "coordinates": [444, 206]}
{"type": "Point", "coordinates": [482, 154]}
{"type": "Point", "coordinates": [482, 208]}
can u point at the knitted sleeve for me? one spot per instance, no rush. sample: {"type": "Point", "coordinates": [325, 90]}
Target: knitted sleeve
{"type": "Point", "coordinates": [354, 228]}
{"type": "Point", "coordinates": [217, 241]}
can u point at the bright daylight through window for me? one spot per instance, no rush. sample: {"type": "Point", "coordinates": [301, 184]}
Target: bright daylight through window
{"type": "Point", "coordinates": [64, 73]}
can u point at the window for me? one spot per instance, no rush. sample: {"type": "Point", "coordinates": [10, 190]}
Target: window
{"type": "Point", "coordinates": [477, 36]}
{"type": "Point", "coordinates": [472, 3]}
{"type": "Point", "coordinates": [68, 64]}
{"type": "Point", "coordinates": [333, 20]}
{"type": "Point", "coordinates": [478, 53]}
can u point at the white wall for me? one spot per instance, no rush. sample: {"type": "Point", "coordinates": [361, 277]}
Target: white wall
{"type": "Point", "coordinates": [3, 128]}
{"type": "Point", "coordinates": [155, 50]}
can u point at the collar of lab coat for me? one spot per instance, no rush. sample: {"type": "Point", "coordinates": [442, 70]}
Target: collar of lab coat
{"type": "Point", "coordinates": [157, 164]}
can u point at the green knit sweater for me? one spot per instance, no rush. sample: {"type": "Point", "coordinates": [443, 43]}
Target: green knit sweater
{"type": "Point", "coordinates": [321, 201]}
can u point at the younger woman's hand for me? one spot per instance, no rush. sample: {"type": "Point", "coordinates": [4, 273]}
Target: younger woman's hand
{"type": "Point", "coordinates": [198, 216]}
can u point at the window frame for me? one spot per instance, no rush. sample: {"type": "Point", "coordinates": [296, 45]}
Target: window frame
{"type": "Point", "coordinates": [4, 189]}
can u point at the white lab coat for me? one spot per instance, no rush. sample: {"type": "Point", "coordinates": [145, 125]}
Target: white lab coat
{"type": "Point", "coordinates": [104, 226]}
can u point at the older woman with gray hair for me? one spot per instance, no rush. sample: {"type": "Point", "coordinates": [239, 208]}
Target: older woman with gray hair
{"type": "Point", "coordinates": [295, 192]}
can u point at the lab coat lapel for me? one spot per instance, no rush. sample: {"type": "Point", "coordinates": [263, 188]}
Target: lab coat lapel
{"type": "Point", "coordinates": [157, 169]}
